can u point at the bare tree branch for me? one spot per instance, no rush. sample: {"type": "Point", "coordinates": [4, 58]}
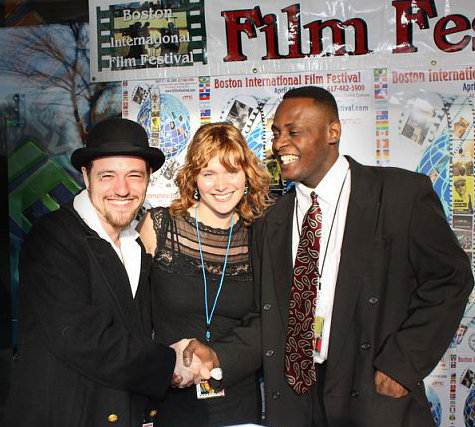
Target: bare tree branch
{"type": "Point", "coordinates": [57, 60]}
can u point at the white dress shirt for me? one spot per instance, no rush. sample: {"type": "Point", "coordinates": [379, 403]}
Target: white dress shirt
{"type": "Point", "coordinates": [333, 193]}
{"type": "Point", "coordinates": [129, 251]}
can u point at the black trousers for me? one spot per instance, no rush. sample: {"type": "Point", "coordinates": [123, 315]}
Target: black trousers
{"type": "Point", "coordinates": [319, 417]}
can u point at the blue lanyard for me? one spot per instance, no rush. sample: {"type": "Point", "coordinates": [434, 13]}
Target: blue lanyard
{"type": "Point", "coordinates": [209, 316]}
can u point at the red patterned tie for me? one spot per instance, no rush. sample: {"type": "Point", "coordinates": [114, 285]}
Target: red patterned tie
{"type": "Point", "coordinates": [299, 344]}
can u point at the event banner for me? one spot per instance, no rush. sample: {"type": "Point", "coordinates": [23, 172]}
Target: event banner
{"type": "Point", "coordinates": [172, 109]}
{"type": "Point", "coordinates": [155, 39]}
{"type": "Point", "coordinates": [420, 119]}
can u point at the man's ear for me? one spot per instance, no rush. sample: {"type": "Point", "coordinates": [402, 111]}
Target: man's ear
{"type": "Point", "coordinates": [334, 132]}
{"type": "Point", "coordinates": [85, 177]}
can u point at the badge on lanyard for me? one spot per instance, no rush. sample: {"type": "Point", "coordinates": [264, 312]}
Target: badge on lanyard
{"type": "Point", "coordinates": [147, 425]}
{"type": "Point", "coordinates": [204, 391]}
{"type": "Point", "coordinates": [318, 333]}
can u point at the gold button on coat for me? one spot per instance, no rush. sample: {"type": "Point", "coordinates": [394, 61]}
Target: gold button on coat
{"type": "Point", "coordinates": [153, 412]}
{"type": "Point", "coordinates": [112, 418]}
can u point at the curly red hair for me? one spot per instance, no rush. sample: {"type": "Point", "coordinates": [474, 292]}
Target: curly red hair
{"type": "Point", "coordinates": [224, 140]}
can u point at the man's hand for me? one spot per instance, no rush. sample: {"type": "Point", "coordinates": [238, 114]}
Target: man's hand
{"type": "Point", "coordinates": [207, 356]}
{"type": "Point", "coordinates": [185, 375]}
{"type": "Point", "coordinates": [389, 387]}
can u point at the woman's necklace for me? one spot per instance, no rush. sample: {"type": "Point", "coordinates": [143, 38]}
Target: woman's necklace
{"type": "Point", "coordinates": [209, 315]}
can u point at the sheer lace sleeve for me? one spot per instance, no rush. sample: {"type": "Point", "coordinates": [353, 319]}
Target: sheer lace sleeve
{"type": "Point", "coordinates": [160, 218]}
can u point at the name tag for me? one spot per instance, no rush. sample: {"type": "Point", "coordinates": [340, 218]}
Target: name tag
{"type": "Point", "coordinates": [318, 333]}
{"type": "Point", "coordinates": [204, 391]}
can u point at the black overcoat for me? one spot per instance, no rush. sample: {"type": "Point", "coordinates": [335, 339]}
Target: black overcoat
{"type": "Point", "coordinates": [402, 286]}
{"type": "Point", "coordinates": [86, 355]}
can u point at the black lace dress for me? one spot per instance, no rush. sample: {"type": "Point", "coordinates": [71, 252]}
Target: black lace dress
{"type": "Point", "coordinates": [179, 312]}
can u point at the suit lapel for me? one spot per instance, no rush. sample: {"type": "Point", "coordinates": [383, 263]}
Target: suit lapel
{"type": "Point", "coordinates": [115, 279]}
{"type": "Point", "coordinates": [143, 297]}
{"type": "Point", "coordinates": [362, 216]}
{"type": "Point", "coordinates": [279, 239]}
{"type": "Point", "coordinates": [113, 272]}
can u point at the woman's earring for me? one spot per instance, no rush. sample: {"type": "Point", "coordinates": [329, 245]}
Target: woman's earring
{"type": "Point", "coordinates": [246, 189]}
{"type": "Point", "coordinates": [196, 195]}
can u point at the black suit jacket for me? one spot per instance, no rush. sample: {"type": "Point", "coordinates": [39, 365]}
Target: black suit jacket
{"type": "Point", "coordinates": [85, 344]}
{"type": "Point", "coordinates": [401, 290]}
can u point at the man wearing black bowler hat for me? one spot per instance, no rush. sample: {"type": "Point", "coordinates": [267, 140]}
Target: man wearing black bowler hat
{"type": "Point", "coordinates": [86, 356]}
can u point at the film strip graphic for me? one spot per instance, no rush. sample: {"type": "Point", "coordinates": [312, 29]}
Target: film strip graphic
{"type": "Point", "coordinates": [448, 133]}
{"type": "Point", "coordinates": [461, 117]}
{"type": "Point", "coordinates": [421, 124]}
{"type": "Point", "coordinates": [277, 184]}
{"type": "Point", "coordinates": [382, 115]}
{"type": "Point", "coordinates": [147, 97]}
{"type": "Point", "coordinates": [141, 35]}
{"type": "Point", "coordinates": [453, 388]}
{"type": "Point", "coordinates": [253, 116]}
{"type": "Point", "coordinates": [155, 108]}
{"type": "Point", "coordinates": [266, 130]}
{"type": "Point", "coordinates": [460, 113]}
{"type": "Point", "coordinates": [248, 113]}
{"type": "Point", "coordinates": [125, 99]}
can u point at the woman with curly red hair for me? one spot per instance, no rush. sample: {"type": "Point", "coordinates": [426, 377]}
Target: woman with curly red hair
{"type": "Point", "coordinates": [201, 276]}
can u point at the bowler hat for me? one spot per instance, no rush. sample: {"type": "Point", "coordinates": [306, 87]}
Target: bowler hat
{"type": "Point", "coordinates": [117, 137]}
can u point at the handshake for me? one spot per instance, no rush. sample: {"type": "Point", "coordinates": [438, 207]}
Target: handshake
{"type": "Point", "coordinates": [194, 362]}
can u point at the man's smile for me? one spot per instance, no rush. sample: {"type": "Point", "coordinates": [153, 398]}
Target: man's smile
{"type": "Point", "coordinates": [288, 158]}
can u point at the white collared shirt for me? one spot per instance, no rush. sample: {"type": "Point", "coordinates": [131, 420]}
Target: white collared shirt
{"type": "Point", "coordinates": [129, 251]}
{"type": "Point", "coordinates": [337, 179]}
